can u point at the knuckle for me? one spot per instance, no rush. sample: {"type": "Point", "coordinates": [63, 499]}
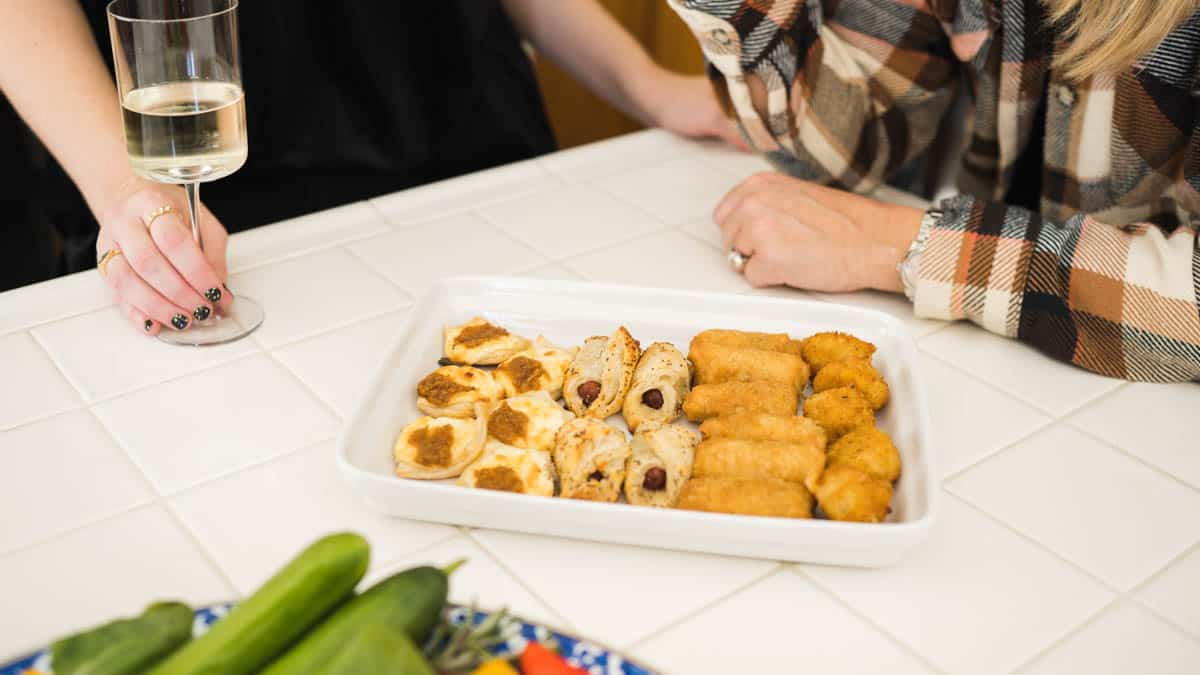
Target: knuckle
{"type": "Point", "coordinates": [169, 234]}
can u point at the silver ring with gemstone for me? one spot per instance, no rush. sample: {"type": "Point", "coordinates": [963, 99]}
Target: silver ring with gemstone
{"type": "Point", "coordinates": [737, 259]}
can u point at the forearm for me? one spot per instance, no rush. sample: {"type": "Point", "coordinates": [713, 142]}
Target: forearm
{"type": "Point", "coordinates": [587, 42]}
{"type": "Point", "coordinates": [51, 71]}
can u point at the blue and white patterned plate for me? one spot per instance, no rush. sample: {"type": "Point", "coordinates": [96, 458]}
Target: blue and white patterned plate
{"type": "Point", "coordinates": [596, 660]}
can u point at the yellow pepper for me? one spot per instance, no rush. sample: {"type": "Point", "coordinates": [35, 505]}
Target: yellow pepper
{"type": "Point", "coordinates": [496, 667]}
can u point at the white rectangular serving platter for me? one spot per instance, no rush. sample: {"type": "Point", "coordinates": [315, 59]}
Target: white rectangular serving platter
{"type": "Point", "coordinates": [567, 313]}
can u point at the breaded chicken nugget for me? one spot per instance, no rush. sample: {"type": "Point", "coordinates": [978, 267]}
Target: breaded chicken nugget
{"type": "Point", "coordinates": [869, 450]}
{"type": "Point", "coordinates": [856, 373]}
{"type": "Point", "coordinates": [824, 348]}
{"type": "Point", "coordinates": [845, 493]}
{"type": "Point", "coordinates": [839, 411]}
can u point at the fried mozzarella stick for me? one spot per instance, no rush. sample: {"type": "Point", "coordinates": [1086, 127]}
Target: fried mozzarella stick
{"type": "Point", "coordinates": [747, 497]}
{"type": "Point", "coordinates": [775, 342]}
{"type": "Point", "coordinates": [732, 458]}
{"type": "Point", "coordinates": [717, 363]}
{"type": "Point", "coordinates": [728, 398]}
{"type": "Point", "coordinates": [764, 427]}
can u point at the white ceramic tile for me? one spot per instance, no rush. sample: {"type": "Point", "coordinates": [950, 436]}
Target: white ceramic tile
{"type": "Point", "coordinates": [971, 420]}
{"type": "Point", "coordinates": [203, 426]}
{"type": "Point", "coordinates": [976, 598]}
{"type": "Point", "coordinates": [1146, 518]}
{"type": "Point", "coordinates": [104, 354]}
{"type": "Point", "coordinates": [568, 221]}
{"type": "Point", "coordinates": [70, 473]}
{"type": "Point", "coordinates": [54, 299]}
{"type": "Point", "coordinates": [595, 585]}
{"type": "Point", "coordinates": [297, 499]}
{"type": "Point", "coordinates": [1124, 639]}
{"type": "Point", "coordinates": [721, 155]}
{"type": "Point", "coordinates": [706, 231]}
{"type": "Point", "coordinates": [675, 192]}
{"type": "Point", "coordinates": [96, 574]}
{"type": "Point", "coordinates": [33, 387]}
{"type": "Point", "coordinates": [459, 245]}
{"type": "Point", "coordinates": [337, 365]}
{"type": "Point", "coordinates": [665, 260]}
{"type": "Point", "coordinates": [552, 272]}
{"type": "Point", "coordinates": [435, 200]}
{"type": "Point", "coordinates": [888, 303]}
{"type": "Point", "coordinates": [1174, 591]}
{"type": "Point", "coordinates": [765, 622]}
{"type": "Point", "coordinates": [310, 295]}
{"type": "Point", "coordinates": [639, 149]}
{"type": "Point", "coordinates": [1165, 433]}
{"type": "Point", "coordinates": [1018, 368]}
{"type": "Point", "coordinates": [308, 233]}
{"type": "Point", "coordinates": [481, 581]}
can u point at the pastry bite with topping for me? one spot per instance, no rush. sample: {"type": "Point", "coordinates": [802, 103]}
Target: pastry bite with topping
{"type": "Point", "coordinates": [542, 367]}
{"type": "Point", "coordinates": [479, 342]}
{"type": "Point", "coordinates": [740, 339]}
{"type": "Point", "coordinates": [717, 363]}
{"type": "Point", "coordinates": [824, 348]}
{"type": "Point", "coordinates": [660, 464]}
{"type": "Point", "coordinates": [839, 411]}
{"type": "Point", "coordinates": [870, 450]}
{"type": "Point", "coordinates": [438, 447]}
{"type": "Point", "coordinates": [509, 469]}
{"type": "Point", "coordinates": [764, 427]}
{"type": "Point", "coordinates": [530, 421]}
{"type": "Point", "coordinates": [845, 493]}
{"type": "Point", "coordinates": [661, 382]}
{"type": "Point", "coordinates": [455, 391]}
{"type": "Point", "coordinates": [600, 375]}
{"type": "Point", "coordinates": [728, 398]}
{"type": "Point", "coordinates": [747, 497]}
{"type": "Point", "coordinates": [590, 457]}
{"type": "Point", "coordinates": [733, 458]}
{"type": "Point", "coordinates": [855, 373]}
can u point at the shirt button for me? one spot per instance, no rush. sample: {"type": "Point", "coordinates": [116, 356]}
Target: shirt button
{"type": "Point", "coordinates": [1065, 95]}
{"type": "Point", "coordinates": [721, 37]}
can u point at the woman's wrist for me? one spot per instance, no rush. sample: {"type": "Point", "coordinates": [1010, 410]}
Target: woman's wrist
{"type": "Point", "coordinates": [893, 240]}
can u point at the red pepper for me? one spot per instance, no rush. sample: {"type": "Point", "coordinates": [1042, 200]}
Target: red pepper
{"type": "Point", "coordinates": [537, 660]}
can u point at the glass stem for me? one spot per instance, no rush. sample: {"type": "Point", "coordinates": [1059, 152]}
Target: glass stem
{"type": "Point", "coordinates": [193, 205]}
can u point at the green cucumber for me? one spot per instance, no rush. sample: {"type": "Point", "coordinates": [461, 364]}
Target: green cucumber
{"type": "Point", "coordinates": [125, 646]}
{"type": "Point", "coordinates": [408, 603]}
{"type": "Point", "coordinates": [286, 606]}
{"type": "Point", "coordinates": [377, 650]}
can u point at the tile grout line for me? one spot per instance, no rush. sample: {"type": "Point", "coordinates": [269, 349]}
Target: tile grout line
{"type": "Point", "coordinates": [390, 565]}
{"type": "Point", "coordinates": [209, 556]}
{"type": "Point", "coordinates": [292, 254]}
{"type": "Point", "coordinates": [796, 569]}
{"type": "Point", "coordinates": [556, 259]}
{"type": "Point", "coordinates": [311, 392]}
{"type": "Point", "coordinates": [1039, 428]}
{"type": "Point", "coordinates": [81, 395]}
{"type": "Point", "coordinates": [469, 533]}
{"type": "Point", "coordinates": [342, 325]}
{"type": "Point", "coordinates": [1140, 460]}
{"type": "Point", "coordinates": [1063, 639]}
{"type": "Point", "coordinates": [1132, 594]}
{"type": "Point", "coordinates": [108, 398]}
{"type": "Point", "coordinates": [410, 297]}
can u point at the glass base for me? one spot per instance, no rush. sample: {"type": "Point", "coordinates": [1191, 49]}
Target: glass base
{"type": "Point", "coordinates": [244, 318]}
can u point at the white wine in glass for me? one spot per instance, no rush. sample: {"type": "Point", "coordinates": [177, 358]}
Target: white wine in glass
{"type": "Point", "coordinates": [179, 77]}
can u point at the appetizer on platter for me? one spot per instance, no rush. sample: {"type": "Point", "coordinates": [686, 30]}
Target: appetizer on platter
{"type": "Point", "coordinates": [733, 458]}
{"type": "Point", "coordinates": [660, 464]}
{"type": "Point", "coordinates": [529, 421]}
{"type": "Point", "coordinates": [509, 469]}
{"type": "Point", "coordinates": [764, 427]}
{"type": "Point", "coordinates": [747, 497]}
{"type": "Point", "coordinates": [590, 457]}
{"type": "Point", "coordinates": [438, 447]}
{"type": "Point", "coordinates": [539, 368]}
{"type": "Point", "coordinates": [855, 373]}
{"type": "Point", "coordinates": [480, 342]}
{"type": "Point", "coordinates": [839, 411]}
{"type": "Point", "coordinates": [845, 493]}
{"type": "Point", "coordinates": [776, 342]}
{"type": "Point", "coordinates": [455, 391]}
{"type": "Point", "coordinates": [869, 450]}
{"type": "Point", "coordinates": [727, 398]}
{"type": "Point", "coordinates": [600, 375]}
{"type": "Point", "coordinates": [661, 382]}
{"type": "Point", "coordinates": [716, 363]}
{"type": "Point", "coordinates": [824, 348]}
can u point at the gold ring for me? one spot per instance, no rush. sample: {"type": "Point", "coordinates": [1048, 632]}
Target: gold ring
{"type": "Point", "coordinates": [156, 213]}
{"type": "Point", "coordinates": [102, 263]}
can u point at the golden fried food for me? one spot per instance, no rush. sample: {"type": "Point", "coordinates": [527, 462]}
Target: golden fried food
{"type": "Point", "coordinates": [733, 458]}
{"type": "Point", "coordinates": [727, 398]}
{"type": "Point", "coordinates": [764, 427]}
{"type": "Point", "coordinates": [869, 450]}
{"type": "Point", "coordinates": [747, 497]}
{"type": "Point", "coordinates": [845, 493]}
{"type": "Point", "coordinates": [776, 342]}
{"type": "Point", "coordinates": [839, 411]}
{"type": "Point", "coordinates": [717, 363]}
{"type": "Point", "coordinates": [856, 373]}
{"type": "Point", "coordinates": [824, 348]}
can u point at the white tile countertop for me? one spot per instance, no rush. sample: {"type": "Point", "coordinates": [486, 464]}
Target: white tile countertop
{"type": "Point", "coordinates": [130, 470]}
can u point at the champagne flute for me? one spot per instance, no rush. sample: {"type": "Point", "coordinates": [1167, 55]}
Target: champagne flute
{"type": "Point", "coordinates": [180, 82]}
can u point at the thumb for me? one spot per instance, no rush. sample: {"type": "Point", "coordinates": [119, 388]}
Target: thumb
{"type": "Point", "coordinates": [727, 130]}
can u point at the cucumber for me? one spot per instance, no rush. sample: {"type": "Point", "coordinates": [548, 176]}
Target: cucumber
{"type": "Point", "coordinates": [408, 603]}
{"type": "Point", "coordinates": [377, 650]}
{"type": "Point", "coordinates": [125, 646]}
{"type": "Point", "coordinates": [287, 605]}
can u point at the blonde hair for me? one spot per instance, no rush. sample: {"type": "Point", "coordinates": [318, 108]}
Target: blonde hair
{"type": "Point", "coordinates": [1107, 36]}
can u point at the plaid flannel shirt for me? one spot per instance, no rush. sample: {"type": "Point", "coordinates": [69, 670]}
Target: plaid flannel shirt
{"type": "Point", "coordinates": [1107, 274]}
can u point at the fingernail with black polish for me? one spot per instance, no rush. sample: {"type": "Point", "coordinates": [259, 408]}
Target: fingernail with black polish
{"type": "Point", "coordinates": [213, 295]}
{"type": "Point", "coordinates": [180, 321]}
{"type": "Point", "coordinates": [202, 313]}
{"type": "Point", "coordinates": [149, 325]}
